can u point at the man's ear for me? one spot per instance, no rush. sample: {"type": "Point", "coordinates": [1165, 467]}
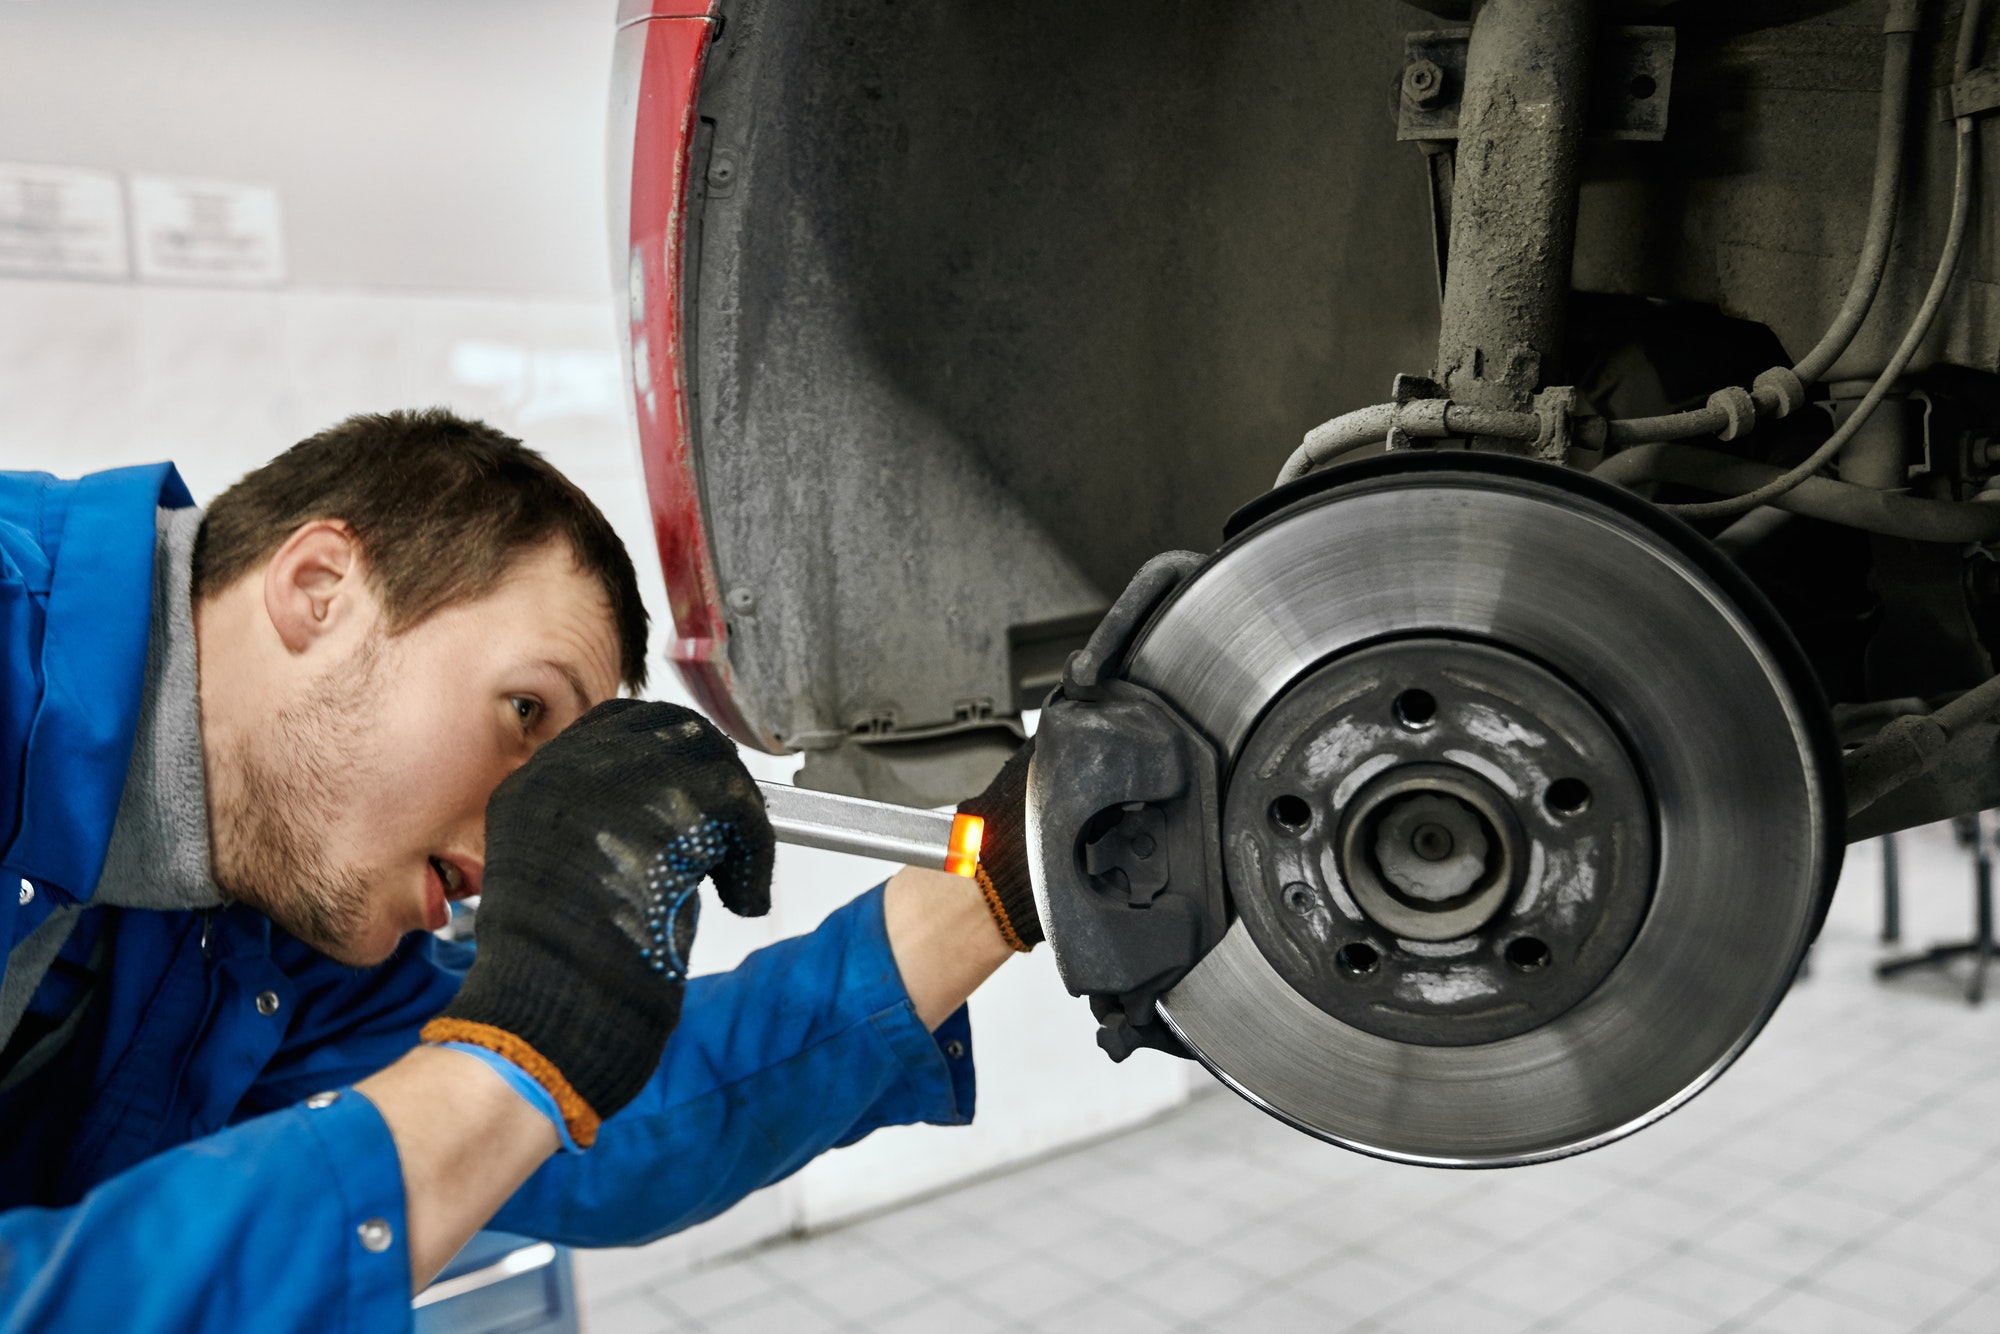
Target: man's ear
{"type": "Point", "coordinates": [313, 583]}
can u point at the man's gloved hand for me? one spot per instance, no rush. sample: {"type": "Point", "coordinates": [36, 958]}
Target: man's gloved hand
{"type": "Point", "coordinates": [595, 849]}
{"type": "Point", "coordinates": [1003, 855]}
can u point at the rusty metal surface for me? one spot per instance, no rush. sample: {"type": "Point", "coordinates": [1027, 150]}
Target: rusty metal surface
{"type": "Point", "coordinates": [1514, 200]}
{"type": "Point", "coordinates": [1631, 84]}
{"type": "Point", "coordinates": [1965, 777]}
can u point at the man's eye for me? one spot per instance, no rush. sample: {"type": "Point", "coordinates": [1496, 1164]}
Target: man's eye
{"type": "Point", "coordinates": [529, 711]}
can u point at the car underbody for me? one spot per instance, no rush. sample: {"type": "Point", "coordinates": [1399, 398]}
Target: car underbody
{"type": "Point", "coordinates": [1465, 781]}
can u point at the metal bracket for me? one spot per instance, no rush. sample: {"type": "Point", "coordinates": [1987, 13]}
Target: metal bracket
{"type": "Point", "coordinates": [1406, 389]}
{"type": "Point", "coordinates": [1403, 391]}
{"type": "Point", "coordinates": [1631, 76]}
{"type": "Point", "coordinates": [1555, 406]}
{"type": "Point", "coordinates": [1976, 94]}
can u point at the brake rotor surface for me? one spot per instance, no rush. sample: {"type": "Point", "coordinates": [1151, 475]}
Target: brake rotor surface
{"type": "Point", "coordinates": [1529, 819]}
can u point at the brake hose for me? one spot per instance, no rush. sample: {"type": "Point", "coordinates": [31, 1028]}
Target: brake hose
{"type": "Point", "coordinates": [1913, 337]}
{"type": "Point", "coordinates": [1420, 419]}
{"type": "Point", "coordinates": [1889, 513]}
{"type": "Point", "coordinates": [1773, 390]}
{"type": "Point", "coordinates": [1778, 390]}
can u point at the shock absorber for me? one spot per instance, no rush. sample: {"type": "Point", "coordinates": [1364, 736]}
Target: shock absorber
{"type": "Point", "coordinates": [1513, 217]}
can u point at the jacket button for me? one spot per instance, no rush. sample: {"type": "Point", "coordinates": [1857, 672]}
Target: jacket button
{"type": "Point", "coordinates": [375, 1235]}
{"type": "Point", "coordinates": [267, 1002]}
{"type": "Point", "coordinates": [27, 893]}
{"type": "Point", "coordinates": [955, 1050]}
{"type": "Point", "coordinates": [327, 1099]}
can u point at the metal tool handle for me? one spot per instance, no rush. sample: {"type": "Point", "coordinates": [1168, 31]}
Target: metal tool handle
{"type": "Point", "coordinates": [939, 840]}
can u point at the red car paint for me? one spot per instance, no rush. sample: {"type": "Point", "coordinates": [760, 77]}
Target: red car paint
{"type": "Point", "coordinates": [676, 36]}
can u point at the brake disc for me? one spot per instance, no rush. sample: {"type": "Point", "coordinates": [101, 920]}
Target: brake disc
{"type": "Point", "coordinates": [1530, 812]}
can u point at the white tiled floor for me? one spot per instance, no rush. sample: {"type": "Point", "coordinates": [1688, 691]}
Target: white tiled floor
{"type": "Point", "coordinates": [1843, 1178]}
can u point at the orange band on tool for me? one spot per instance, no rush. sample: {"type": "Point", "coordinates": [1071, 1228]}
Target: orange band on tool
{"type": "Point", "coordinates": [968, 832]}
{"type": "Point", "coordinates": [576, 1113]}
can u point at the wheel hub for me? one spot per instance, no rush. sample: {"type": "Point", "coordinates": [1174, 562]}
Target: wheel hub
{"type": "Point", "coordinates": [1471, 825]}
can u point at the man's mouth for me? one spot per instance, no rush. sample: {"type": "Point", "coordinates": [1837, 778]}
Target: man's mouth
{"type": "Point", "coordinates": [445, 885]}
{"type": "Point", "coordinates": [450, 877]}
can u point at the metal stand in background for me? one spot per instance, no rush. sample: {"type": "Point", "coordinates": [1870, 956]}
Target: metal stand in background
{"type": "Point", "coordinates": [1973, 832]}
{"type": "Point", "coordinates": [1892, 892]}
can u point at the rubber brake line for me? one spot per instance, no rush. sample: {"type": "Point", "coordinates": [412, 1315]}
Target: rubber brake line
{"type": "Point", "coordinates": [1368, 426]}
{"type": "Point", "coordinates": [1913, 337]}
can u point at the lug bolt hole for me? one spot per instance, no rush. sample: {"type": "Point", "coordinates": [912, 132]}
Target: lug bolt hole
{"type": "Point", "coordinates": [1567, 796]}
{"type": "Point", "coordinates": [1416, 709]}
{"type": "Point", "coordinates": [1291, 813]}
{"type": "Point", "coordinates": [1357, 959]}
{"type": "Point", "coordinates": [1528, 955]}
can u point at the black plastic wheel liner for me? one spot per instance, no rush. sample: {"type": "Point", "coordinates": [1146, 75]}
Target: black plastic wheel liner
{"type": "Point", "coordinates": [989, 302]}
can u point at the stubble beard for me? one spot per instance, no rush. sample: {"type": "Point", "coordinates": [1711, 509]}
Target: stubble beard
{"type": "Point", "coordinates": [287, 789]}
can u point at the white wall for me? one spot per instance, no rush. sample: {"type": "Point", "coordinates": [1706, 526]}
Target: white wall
{"type": "Point", "coordinates": [440, 168]}
{"type": "Point", "coordinates": [420, 146]}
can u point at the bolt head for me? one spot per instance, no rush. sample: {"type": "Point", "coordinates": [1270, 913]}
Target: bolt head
{"type": "Point", "coordinates": [1423, 83]}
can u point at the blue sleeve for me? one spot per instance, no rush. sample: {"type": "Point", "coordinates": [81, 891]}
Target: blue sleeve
{"type": "Point", "coordinates": [24, 588]}
{"type": "Point", "coordinates": [808, 1045]}
{"type": "Point", "coordinates": [290, 1222]}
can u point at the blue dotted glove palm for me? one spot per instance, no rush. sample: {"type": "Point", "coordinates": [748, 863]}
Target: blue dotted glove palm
{"type": "Point", "coordinates": [595, 853]}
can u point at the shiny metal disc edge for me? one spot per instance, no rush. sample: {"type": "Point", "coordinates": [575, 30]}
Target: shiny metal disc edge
{"type": "Point", "coordinates": [1236, 952]}
{"type": "Point", "coordinates": [1456, 551]}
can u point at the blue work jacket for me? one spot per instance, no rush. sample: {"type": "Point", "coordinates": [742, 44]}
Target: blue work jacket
{"type": "Point", "coordinates": [170, 1170]}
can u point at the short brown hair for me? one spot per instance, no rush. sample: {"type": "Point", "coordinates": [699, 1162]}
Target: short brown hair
{"type": "Point", "coordinates": [442, 508]}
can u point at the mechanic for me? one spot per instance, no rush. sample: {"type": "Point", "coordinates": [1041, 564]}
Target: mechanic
{"type": "Point", "coordinates": [246, 761]}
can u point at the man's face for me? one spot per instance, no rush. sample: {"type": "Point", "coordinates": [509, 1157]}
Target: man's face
{"type": "Point", "coordinates": [359, 811]}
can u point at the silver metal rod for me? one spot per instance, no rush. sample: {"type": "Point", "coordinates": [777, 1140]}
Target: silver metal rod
{"type": "Point", "coordinates": [850, 824]}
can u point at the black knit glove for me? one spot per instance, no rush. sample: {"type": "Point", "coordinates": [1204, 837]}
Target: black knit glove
{"type": "Point", "coordinates": [1003, 854]}
{"type": "Point", "coordinates": [595, 849]}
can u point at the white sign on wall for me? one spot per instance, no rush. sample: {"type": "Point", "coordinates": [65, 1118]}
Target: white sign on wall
{"type": "Point", "coordinates": [210, 232]}
{"type": "Point", "coordinates": [61, 222]}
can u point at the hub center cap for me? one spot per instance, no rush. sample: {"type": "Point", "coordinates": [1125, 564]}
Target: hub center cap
{"type": "Point", "coordinates": [1430, 851]}
{"type": "Point", "coordinates": [1438, 841]}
